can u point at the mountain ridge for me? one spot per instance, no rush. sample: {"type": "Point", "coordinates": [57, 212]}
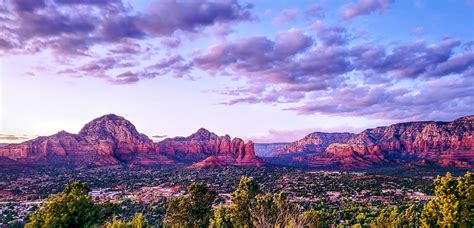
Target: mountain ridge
{"type": "Point", "coordinates": [446, 144]}
{"type": "Point", "coordinates": [113, 140]}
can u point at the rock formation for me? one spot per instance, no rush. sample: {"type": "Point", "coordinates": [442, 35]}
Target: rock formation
{"type": "Point", "coordinates": [209, 149]}
{"type": "Point", "coordinates": [427, 142]}
{"type": "Point", "coordinates": [314, 142]}
{"type": "Point", "coordinates": [111, 139]}
{"type": "Point", "coordinates": [107, 140]}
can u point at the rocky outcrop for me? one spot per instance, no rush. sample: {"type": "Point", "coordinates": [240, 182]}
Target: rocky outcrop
{"type": "Point", "coordinates": [423, 143]}
{"type": "Point", "coordinates": [210, 149]}
{"type": "Point", "coordinates": [107, 140]}
{"type": "Point", "coordinates": [314, 142]}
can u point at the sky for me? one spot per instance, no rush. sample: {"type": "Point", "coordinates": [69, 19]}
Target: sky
{"type": "Point", "coordinates": [270, 71]}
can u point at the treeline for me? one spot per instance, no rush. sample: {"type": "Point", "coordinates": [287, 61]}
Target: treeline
{"type": "Point", "coordinates": [249, 207]}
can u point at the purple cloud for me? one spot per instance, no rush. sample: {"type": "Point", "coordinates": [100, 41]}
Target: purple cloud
{"type": "Point", "coordinates": [364, 7]}
{"type": "Point", "coordinates": [286, 16]}
{"type": "Point", "coordinates": [407, 60]}
{"type": "Point", "coordinates": [315, 11]}
{"type": "Point", "coordinates": [71, 28]}
{"type": "Point", "coordinates": [337, 77]}
{"type": "Point", "coordinates": [166, 17]}
{"type": "Point", "coordinates": [330, 35]}
{"type": "Point", "coordinates": [436, 99]}
{"type": "Point", "coordinates": [291, 42]}
{"type": "Point", "coordinates": [84, 23]}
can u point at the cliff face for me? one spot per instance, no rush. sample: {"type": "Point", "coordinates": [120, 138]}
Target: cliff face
{"type": "Point", "coordinates": [210, 149]}
{"type": "Point", "coordinates": [109, 139]}
{"type": "Point", "coordinates": [314, 142]}
{"type": "Point", "coordinates": [435, 143]}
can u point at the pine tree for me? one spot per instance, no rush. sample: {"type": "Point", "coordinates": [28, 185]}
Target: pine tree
{"type": "Point", "coordinates": [71, 208]}
{"type": "Point", "coordinates": [193, 210]}
{"type": "Point", "coordinates": [221, 218]}
{"type": "Point", "coordinates": [454, 203]}
{"type": "Point", "coordinates": [242, 199]}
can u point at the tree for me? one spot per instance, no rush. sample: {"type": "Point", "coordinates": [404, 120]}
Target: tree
{"type": "Point", "coordinates": [221, 217]}
{"type": "Point", "coordinates": [242, 199]}
{"type": "Point", "coordinates": [387, 217]}
{"type": "Point", "coordinates": [454, 202]}
{"type": "Point", "coordinates": [138, 221]}
{"type": "Point", "coordinates": [264, 212]}
{"type": "Point", "coordinates": [71, 208]}
{"type": "Point", "coordinates": [193, 210]}
{"type": "Point", "coordinates": [314, 218]}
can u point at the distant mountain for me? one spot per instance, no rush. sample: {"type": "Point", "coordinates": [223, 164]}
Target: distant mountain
{"type": "Point", "coordinates": [107, 140]}
{"type": "Point", "coordinates": [112, 140]}
{"type": "Point", "coordinates": [314, 142]}
{"type": "Point", "coordinates": [427, 143]}
{"type": "Point", "coordinates": [268, 149]}
{"type": "Point", "coordinates": [208, 149]}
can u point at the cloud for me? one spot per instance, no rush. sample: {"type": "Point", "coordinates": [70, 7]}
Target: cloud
{"type": "Point", "coordinates": [63, 25]}
{"type": "Point", "coordinates": [444, 98]}
{"type": "Point", "coordinates": [283, 136]}
{"type": "Point", "coordinates": [330, 35]}
{"type": "Point", "coordinates": [364, 7]}
{"type": "Point", "coordinates": [332, 75]}
{"type": "Point", "coordinates": [418, 31]}
{"type": "Point", "coordinates": [286, 16]}
{"type": "Point", "coordinates": [315, 11]}
{"type": "Point", "coordinates": [273, 135]}
{"type": "Point", "coordinates": [159, 136]}
{"type": "Point", "coordinates": [166, 17]}
{"type": "Point", "coordinates": [413, 60]}
{"type": "Point", "coordinates": [9, 138]}
{"type": "Point", "coordinates": [107, 38]}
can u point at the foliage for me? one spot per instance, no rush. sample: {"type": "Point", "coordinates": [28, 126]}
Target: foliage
{"type": "Point", "coordinates": [454, 203]}
{"type": "Point", "coordinates": [138, 221]}
{"type": "Point", "coordinates": [71, 208]}
{"type": "Point", "coordinates": [274, 211]}
{"type": "Point", "coordinates": [315, 218]}
{"type": "Point", "coordinates": [452, 207]}
{"type": "Point", "coordinates": [221, 217]}
{"type": "Point", "coordinates": [193, 210]}
{"type": "Point", "coordinates": [242, 199]}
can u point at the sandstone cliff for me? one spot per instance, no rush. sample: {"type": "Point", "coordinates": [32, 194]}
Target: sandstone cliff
{"type": "Point", "coordinates": [106, 140]}
{"type": "Point", "coordinates": [209, 149]}
{"type": "Point", "coordinates": [428, 142]}
{"type": "Point", "coordinates": [314, 142]}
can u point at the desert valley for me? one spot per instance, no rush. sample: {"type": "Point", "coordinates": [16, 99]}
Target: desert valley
{"type": "Point", "coordinates": [346, 174]}
{"type": "Point", "coordinates": [236, 113]}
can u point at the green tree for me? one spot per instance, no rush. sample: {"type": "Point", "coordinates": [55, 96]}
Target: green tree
{"type": "Point", "coordinates": [138, 221]}
{"type": "Point", "coordinates": [192, 210]}
{"type": "Point", "coordinates": [454, 203]}
{"type": "Point", "coordinates": [71, 208]}
{"type": "Point", "coordinates": [221, 217]}
{"type": "Point", "coordinates": [242, 199]}
{"type": "Point", "coordinates": [315, 218]}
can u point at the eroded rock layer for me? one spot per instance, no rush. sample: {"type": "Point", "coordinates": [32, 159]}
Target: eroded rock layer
{"type": "Point", "coordinates": [421, 143]}
{"type": "Point", "coordinates": [209, 150]}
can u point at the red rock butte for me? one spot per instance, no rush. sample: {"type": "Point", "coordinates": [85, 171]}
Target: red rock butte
{"type": "Point", "coordinates": [112, 140]}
